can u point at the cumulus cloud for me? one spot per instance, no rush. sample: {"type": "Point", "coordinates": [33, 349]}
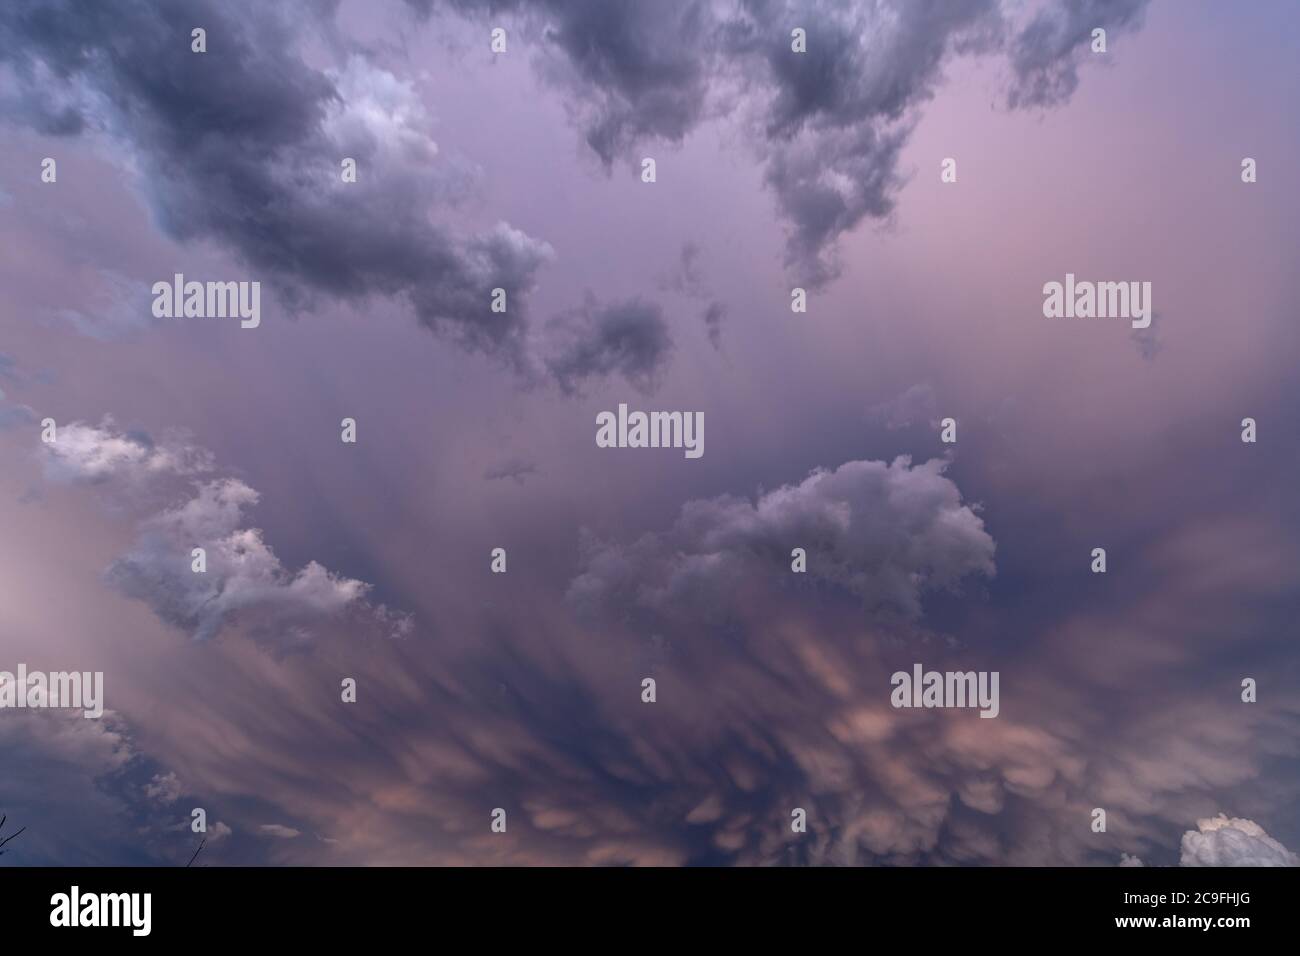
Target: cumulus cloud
{"type": "Point", "coordinates": [84, 453]}
{"type": "Point", "coordinates": [244, 580]}
{"type": "Point", "coordinates": [882, 532]}
{"type": "Point", "coordinates": [629, 70]}
{"type": "Point", "coordinates": [1224, 841]}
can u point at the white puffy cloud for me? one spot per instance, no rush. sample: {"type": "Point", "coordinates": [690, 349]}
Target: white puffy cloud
{"type": "Point", "coordinates": [98, 453]}
{"type": "Point", "coordinates": [243, 577]}
{"type": "Point", "coordinates": [1224, 841]}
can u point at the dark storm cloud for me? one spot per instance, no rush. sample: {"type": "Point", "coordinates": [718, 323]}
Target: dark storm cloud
{"type": "Point", "coordinates": [773, 693]}
{"type": "Point", "coordinates": [1045, 55]}
{"type": "Point", "coordinates": [243, 145]}
{"type": "Point", "coordinates": [88, 796]}
{"type": "Point", "coordinates": [631, 70]}
{"type": "Point", "coordinates": [828, 124]}
{"type": "Point", "coordinates": [630, 338]}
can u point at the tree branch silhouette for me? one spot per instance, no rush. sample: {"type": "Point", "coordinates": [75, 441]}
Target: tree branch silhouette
{"type": "Point", "coordinates": [10, 836]}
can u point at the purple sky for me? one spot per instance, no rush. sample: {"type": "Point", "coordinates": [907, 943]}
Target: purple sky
{"type": "Point", "coordinates": [476, 431]}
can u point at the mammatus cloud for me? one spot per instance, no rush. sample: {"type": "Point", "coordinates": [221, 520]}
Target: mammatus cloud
{"type": "Point", "coordinates": [242, 578]}
{"type": "Point", "coordinates": [773, 695]}
{"type": "Point", "coordinates": [1224, 841]}
{"type": "Point", "coordinates": [243, 145]}
{"type": "Point", "coordinates": [828, 124]}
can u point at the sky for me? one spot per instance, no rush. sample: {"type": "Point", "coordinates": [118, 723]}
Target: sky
{"type": "Point", "coordinates": [522, 169]}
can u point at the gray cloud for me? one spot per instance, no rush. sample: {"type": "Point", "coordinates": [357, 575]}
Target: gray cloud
{"type": "Point", "coordinates": [242, 145]}
{"type": "Point", "coordinates": [1046, 54]}
{"type": "Point", "coordinates": [829, 124]}
{"type": "Point", "coordinates": [713, 315]}
{"type": "Point", "coordinates": [882, 532]}
{"type": "Point", "coordinates": [915, 406]}
{"type": "Point", "coordinates": [244, 580]}
{"type": "Point", "coordinates": [630, 338]}
{"type": "Point", "coordinates": [76, 785]}
{"type": "Point", "coordinates": [515, 468]}
{"type": "Point", "coordinates": [629, 70]}
{"type": "Point", "coordinates": [1220, 841]}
